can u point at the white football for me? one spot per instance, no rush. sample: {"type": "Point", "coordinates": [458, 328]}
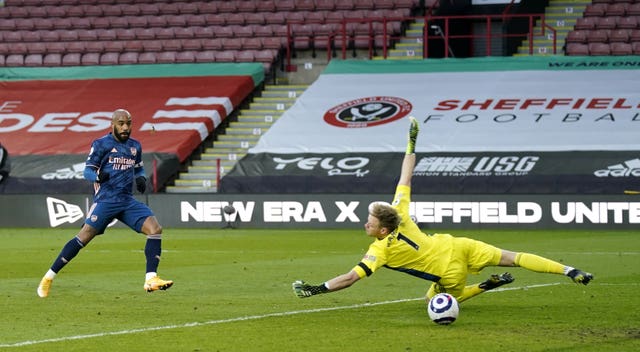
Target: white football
{"type": "Point", "coordinates": [443, 309]}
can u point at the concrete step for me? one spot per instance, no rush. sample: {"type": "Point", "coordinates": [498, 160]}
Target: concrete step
{"type": "Point", "coordinates": [243, 130]}
{"type": "Point", "coordinates": [234, 144]}
{"type": "Point", "coordinates": [237, 138]}
{"type": "Point", "coordinates": [191, 189]}
{"type": "Point", "coordinates": [245, 124]}
{"type": "Point", "coordinates": [277, 106]}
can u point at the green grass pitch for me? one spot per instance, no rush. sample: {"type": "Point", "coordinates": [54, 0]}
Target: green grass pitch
{"type": "Point", "coordinates": [232, 292]}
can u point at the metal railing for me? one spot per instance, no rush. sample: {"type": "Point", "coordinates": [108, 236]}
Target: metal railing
{"type": "Point", "coordinates": [348, 34]}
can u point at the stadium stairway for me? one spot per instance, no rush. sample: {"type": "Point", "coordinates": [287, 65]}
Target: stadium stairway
{"type": "Point", "coordinates": [241, 135]}
{"type": "Point", "coordinates": [561, 15]}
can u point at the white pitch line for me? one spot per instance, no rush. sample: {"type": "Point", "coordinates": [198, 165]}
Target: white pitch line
{"type": "Point", "coordinates": [233, 320]}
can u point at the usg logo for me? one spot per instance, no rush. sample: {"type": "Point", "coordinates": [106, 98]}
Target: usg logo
{"type": "Point", "coordinates": [476, 166]}
{"type": "Point", "coordinates": [630, 168]}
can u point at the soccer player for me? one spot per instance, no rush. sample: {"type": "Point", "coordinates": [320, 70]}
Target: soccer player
{"type": "Point", "coordinates": [399, 244]}
{"type": "Point", "coordinates": [114, 165]}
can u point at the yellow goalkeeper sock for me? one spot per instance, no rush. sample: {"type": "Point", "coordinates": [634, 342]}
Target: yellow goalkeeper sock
{"type": "Point", "coordinates": [539, 264]}
{"type": "Point", "coordinates": [470, 291]}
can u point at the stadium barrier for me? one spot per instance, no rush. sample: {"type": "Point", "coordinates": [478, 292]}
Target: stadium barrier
{"type": "Point", "coordinates": [341, 211]}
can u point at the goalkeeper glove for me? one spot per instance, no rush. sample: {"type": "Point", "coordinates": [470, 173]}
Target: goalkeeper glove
{"type": "Point", "coordinates": [304, 290]}
{"type": "Point", "coordinates": [141, 184]}
{"type": "Point", "coordinates": [103, 177]}
{"type": "Point", "coordinates": [413, 135]}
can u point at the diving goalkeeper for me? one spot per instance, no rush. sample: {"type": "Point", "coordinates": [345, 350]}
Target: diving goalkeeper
{"type": "Point", "coordinates": [400, 245]}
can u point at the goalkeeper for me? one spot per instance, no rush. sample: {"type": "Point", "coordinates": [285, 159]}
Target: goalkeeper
{"type": "Point", "coordinates": [400, 245]}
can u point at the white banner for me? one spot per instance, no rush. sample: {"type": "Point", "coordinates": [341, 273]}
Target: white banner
{"type": "Point", "coordinates": [554, 109]}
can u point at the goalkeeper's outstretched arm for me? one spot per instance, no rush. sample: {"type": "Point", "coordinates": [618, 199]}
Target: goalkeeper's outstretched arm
{"type": "Point", "coordinates": [409, 161]}
{"type": "Point", "coordinates": [304, 290]}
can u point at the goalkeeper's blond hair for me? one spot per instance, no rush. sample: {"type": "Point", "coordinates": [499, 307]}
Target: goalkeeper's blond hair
{"type": "Point", "coordinates": [387, 215]}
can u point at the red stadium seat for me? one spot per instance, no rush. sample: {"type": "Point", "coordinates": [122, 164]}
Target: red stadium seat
{"type": "Point", "coordinates": [71, 59]}
{"type": "Point", "coordinates": [194, 20]}
{"type": "Point", "coordinates": [227, 6]}
{"type": "Point", "coordinates": [619, 35]}
{"type": "Point", "coordinates": [609, 22]}
{"type": "Point", "coordinates": [257, 18]}
{"type": "Point", "coordinates": [634, 9]}
{"type": "Point", "coordinates": [191, 44]}
{"type": "Point", "coordinates": [52, 60]}
{"type": "Point", "coordinates": [172, 45]}
{"type": "Point", "coordinates": [585, 23]}
{"type": "Point", "coordinates": [106, 34]}
{"type": "Point", "coordinates": [90, 59]}
{"type": "Point", "coordinates": [14, 60]}
{"type": "Point", "coordinates": [636, 48]}
{"type": "Point", "coordinates": [125, 34]}
{"type": "Point", "coordinates": [33, 60]}
{"type": "Point", "coordinates": [616, 9]}
{"type": "Point", "coordinates": [246, 6]}
{"type": "Point", "coordinates": [155, 21]}
{"type": "Point", "coordinates": [305, 5]}
{"type": "Point", "coordinates": [164, 33]}
{"type": "Point", "coordinates": [76, 47]}
{"type": "Point", "coordinates": [232, 43]}
{"type": "Point", "coordinates": [262, 31]}
{"type": "Point", "coordinates": [185, 57]}
{"type": "Point", "coordinates": [184, 33]}
{"type": "Point", "coordinates": [627, 22]}
{"type": "Point", "coordinates": [576, 36]}
{"type": "Point", "coordinates": [254, 43]}
{"type": "Point", "coordinates": [285, 5]}
{"type": "Point", "coordinates": [577, 49]}
{"type": "Point", "coordinates": [225, 56]}
{"type": "Point", "coordinates": [36, 48]}
{"type": "Point", "coordinates": [188, 8]}
{"type": "Point", "coordinates": [325, 5]}
{"type": "Point", "coordinates": [235, 19]}
{"type": "Point", "coordinates": [55, 48]}
{"type": "Point", "coordinates": [597, 36]}
{"type": "Point", "coordinates": [113, 46]}
{"type": "Point", "coordinates": [209, 44]}
{"type": "Point", "coordinates": [364, 4]}
{"type": "Point", "coordinates": [166, 57]}
{"type": "Point", "coordinates": [128, 58]}
{"type": "Point", "coordinates": [621, 49]}
{"type": "Point", "coordinates": [151, 46]}
{"type": "Point", "coordinates": [599, 49]}
{"type": "Point", "coordinates": [245, 56]}
{"type": "Point", "coordinates": [205, 56]}
{"type": "Point", "coordinates": [147, 58]}
{"type": "Point", "coordinates": [595, 10]}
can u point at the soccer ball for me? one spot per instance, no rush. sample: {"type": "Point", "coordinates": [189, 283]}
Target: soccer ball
{"type": "Point", "coordinates": [443, 309]}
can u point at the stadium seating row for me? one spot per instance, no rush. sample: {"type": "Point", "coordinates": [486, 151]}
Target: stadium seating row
{"type": "Point", "coordinates": [266, 57]}
{"type": "Point", "coordinates": [208, 32]}
{"type": "Point", "coordinates": [612, 9]}
{"type": "Point", "coordinates": [603, 36]}
{"type": "Point", "coordinates": [161, 22]}
{"type": "Point", "coordinates": [144, 21]}
{"type": "Point", "coordinates": [609, 22]}
{"type": "Point", "coordinates": [154, 45]}
{"type": "Point", "coordinates": [77, 8]}
{"type": "Point", "coordinates": [602, 49]}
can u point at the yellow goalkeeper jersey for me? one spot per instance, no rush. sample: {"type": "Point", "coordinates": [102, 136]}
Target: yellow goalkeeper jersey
{"type": "Point", "coordinates": [408, 249]}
